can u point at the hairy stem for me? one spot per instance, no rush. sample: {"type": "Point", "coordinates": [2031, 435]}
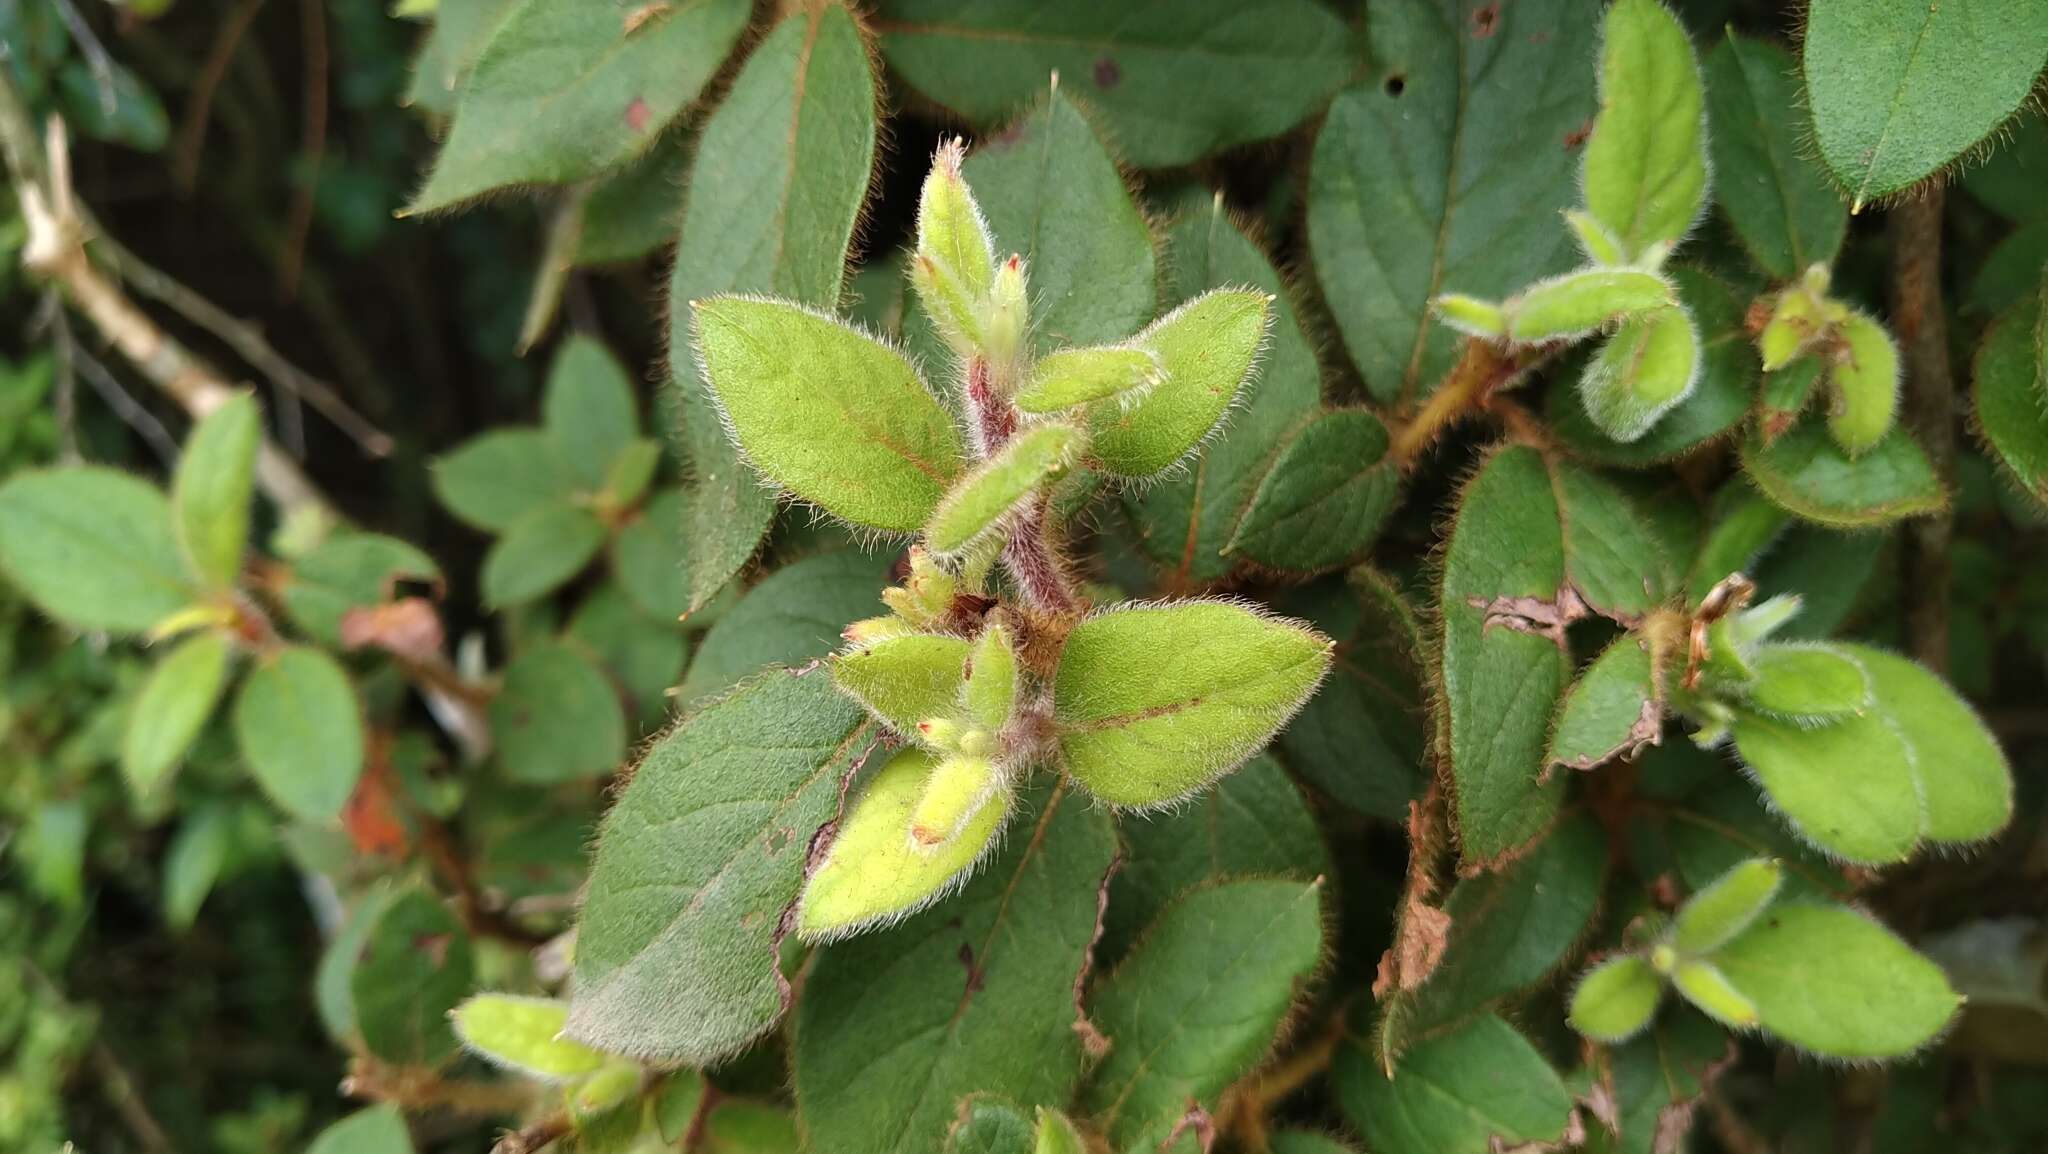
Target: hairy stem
{"type": "Point", "coordinates": [1918, 314]}
{"type": "Point", "coordinates": [1036, 565]}
{"type": "Point", "coordinates": [1484, 369]}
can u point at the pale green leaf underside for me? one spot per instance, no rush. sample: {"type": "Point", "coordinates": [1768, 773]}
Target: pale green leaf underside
{"type": "Point", "coordinates": [1834, 982]}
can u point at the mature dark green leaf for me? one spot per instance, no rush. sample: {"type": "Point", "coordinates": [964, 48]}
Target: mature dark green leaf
{"type": "Point", "coordinates": [562, 92]}
{"type": "Point", "coordinates": [414, 966]}
{"type": "Point", "coordinates": [1150, 66]}
{"type": "Point", "coordinates": [1806, 473]}
{"type": "Point", "coordinates": [1471, 1091]}
{"type": "Point", "coordinates": [770, 207]}
{"type": "Point", "coordinates": [1446, 169]}
{"type": "Point", "coordinates": [794, 615]}
{"type": "Point", "coordinates": [1657, 1079]}
{"type": "Point", "coordinates": [988, 1125]}
{"type": "Point", "coordinates": [92, 548]}
{"type": "Point", "coordinates": [1323, 501]}
{"type": "Point", "coordinates": [696, 865]}
{"type": "Point", "coordinates": [1504, 660]}
{"type": "Point", "coordinates": [349, 571]}
{"type": "Point", "coordinates": [1198, 1000]}
{"type": "Point", "coordinates": [1785, 211]}
{"type": "Point", "coordinates": [634, 211]}
{"type": "Point", "coordinates": [2010, 386]}
{"type": "Point", "coordinates": [1253, 824]}
{"type": "Point", "coordinates": [1052, 192]}
{"type": "Point", "coordinates": [172, 708]}
{"type": "Point", "coordinates": [1359, 739]}
{"type": "Point", "coordinates": [1832, 981]}
{"type": "Point", "coordinates": [976, 995]}
{"type": "Point", "coordinates": [210, 491]}
{"type": "Point", "coordinates": [449, 51]}
{"type": "Point", "coordinates": [1509, 931]}
{"type": "Point", "coordinates": [333, 981]}
{"type": "Point", "coordinates": [494, 479]}
{"type": "Point", "coordinates": [300, 728]}
{"type": "Point", "coordinates": [1900, 91]}
{"type": "Point", "coordinates": [556, 718]}
{"type": "Point", "coordinates": [1614, 709]}
{"type": "Point", "coordinates": [1187, 519]}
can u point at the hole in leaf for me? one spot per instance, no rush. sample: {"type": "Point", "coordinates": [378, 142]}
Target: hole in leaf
{"type": "Point", "coordinates": [1396, 84]}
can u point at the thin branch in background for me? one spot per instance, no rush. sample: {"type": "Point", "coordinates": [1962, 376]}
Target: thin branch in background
{"type": "Point", "coordinates": [312, 144]}
{"type": "Point", "coordinates": [1929, 408]}
{"type": "Point", "coordinates": [192, 133]}
{"type": "Point", "coordinates": [50, 317]}
{"type": "Point", "coordinates": [96, 58]}
{"type": "Point", "coordinates": [126, 407]}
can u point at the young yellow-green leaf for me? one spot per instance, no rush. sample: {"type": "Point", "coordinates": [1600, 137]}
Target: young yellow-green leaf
{"type": "Point", "coordinates": [1848, 787]}
{"type": "Point", "coordinates": [1806, 473]}
{"type": "Point", "coordinates": [1646, 163]}
{"type": "Point", "coordinates": [1148, 67]}
{"type": "Point", "coordinates": [797, 613]}
{"type": "Point", "coordinates": [1510, 930]}
{"type": "Point", "coordinates": [1718, 401]}
{"type": "Point", "coordinates": [1646, 369]}
{"type": "Point", "coordinates": [1709, 989]}
{"type": "Point", "coordinates": [415, 964]}
{"type": "Point", "coordinates": [1067, 378]}
{"type": "Point", "coordinates": [1153, 702]}
{"type": "Point", "coordinates": [1965, 781]}
{"type": "Point", "coordinates": [1187, 519]}
{"type": "Point", "coordinates": [1198, 1001]}
{"type": "Point", "coordinates": [1616, 999]}
{"type": "Point", "coordinates": [1500, 683]}
{"type": "Point", "coordinates": [972, 996]}
{"type": "Point", "coordinates": [782, 169]}
{"type": "Point", "coordinates": [1613, 710]}
{"type": "Point", "coordinates": [1209, 348]}
{"type": "Point", "coordinates": [1865, 385]}
{"type": "Point", "coordinates": [172, 708]}
{"type": "Point", "coordinates": [349, 571]}
{"type": "Point", "coordinates": [1582, 302]}
{"type": "Point", "coordinates": [556, 717]}
{"type": "Point", "coordinates": [588, 409]}
{"type": "Point", "coordinates": [1806, 683]}
{"type": "Point", "coordinates": [594, 1104]}
{"type": "Point", "coordinates": [93, 548]}
{"type": "Point", "coordinates": [904, 680]}
{"type": "Point", "coordinates": [827, 412]}
{"type": "Point", "coordinates": [1057, 1134]}
{"type": "Point", "coordinates": [696, 864]}
{"type": "Point", "coordinates": [1053, 194]}
{"type": "Point", "coordinates": [1469, 1091]}
{"type": "Point", "coordinates": [954, 802]}
{"type": "Point", "coordinates": [979, 501]}
{"type": "Point", "coordinates": [954, 261]}
{"type": "Point", "coordinates": [539, 553]}
{"type": "Point", "coordinates": [210, 490]}
{"type": "Point", "coordinates": [1483, 124]}
{"type": "Point", "coordinates": [1835, 983]}
{"type": "Point", "coordinates": [1785, 211]}
{"type": "Point", "coordinates": [375, 1130]}
{"type": "Point", "coordinates": [1473, 316]}
{"type": "Point", "coordinates": [1324, 497]}
{"type": "Point", "coordinates": [2010, 388]}
{"type": "Point", "coordinates": [992, 678]}
{"type": "Point", "coordinates": [524, 1035]}
{"type": "Point", "coordinates": [562, 92]}
{"type": "Point", "coordinates": [492, 480]}
{"type": "Point", "coordinates": [876, 871]}
{"type": "Point", "coordinates": [300, 728]}
{"type": "Point", "coordinates": [1898, 91]}
{"type": "Point", "coordinates": [1716, 914]}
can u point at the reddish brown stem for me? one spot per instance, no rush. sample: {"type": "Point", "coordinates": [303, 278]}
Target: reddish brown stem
{"type": "Point", "coordinates": [1918, 313]}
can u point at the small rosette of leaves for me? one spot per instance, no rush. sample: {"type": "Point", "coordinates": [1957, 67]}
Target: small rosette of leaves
{"type": "Point", "coordinates": [1808, 339]}
{"type": "Point", "coordinates": [1822, 977]}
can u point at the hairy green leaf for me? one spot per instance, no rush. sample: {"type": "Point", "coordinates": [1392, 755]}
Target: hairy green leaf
{"type": "Point", "coordinates": [831, 414]}
{"type": "Point", "coordinates": [1832, 981]}
{"type": "Point", "coordinates": [92, 547]}
{"type": "Point", "coordinates": [1899, 91]}
{"type": "Point", "coordinates": [1806, 683]}
{"type": "Point", "coordinates": [1153, 702]}
{"type": "Point", "coordinates": [349, 571]}
{"type": "Point", "coordinates": [1577, 303]}
{"type": "Point", "coordinates": [1616, 999]}
{"type": "Point", "coordinates": [2010, 388]}
{"type": "Point", "coordinates": [1965, 782]}
{"type": "Point", "coordinates": [695, 866]}
{"type": "Point", "coordinates": [974, 996]}
{"type": "Point", "coordinates": [562, 92]}
{"type": "Point", "coordinates": [1148, 66]}
{"type": "Point", "coordinates": [797, 613]}
{"type": "Point", "coordinates": [1068, 378]}
{"type": "Point", "coordinates": [904, 680]}
{"type": "Point", "coordinates": [978, 501]}
{"type": "Point", "coordinates": [494, 479]}
{"type": "Point", "coordinates": [1807, 474]}
{"type": "Point", "coordinates": [1734, 901]}
{"type": "Point", "coordinates": [523, 1035]}
{"type": "Point", "coordinates": [1325, 497]}
{"type": "Point", "coordinates": [1613, 710]}
{"type": "Point", "coordinates": [1485, 127]}
{"type": "Point", "coordinates": [1208, 347]}
{"type": "Point", "coordinates": [1646, 162]}
{"type": "Point", "coordinates": [300, 728]}
{"type": "Point", "coordinates": [539, 553]}
{"type": "Point", "coordinates": [1199, 999]}
{"type": "Point", "coordinates": [556, 717]}
{"type": "Point", "coordinates": [1646, 369]}
{"type": "Point", "coordinates": [1848, 787]}
{"type": "Point", "coordinates": [1465, 1092]}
